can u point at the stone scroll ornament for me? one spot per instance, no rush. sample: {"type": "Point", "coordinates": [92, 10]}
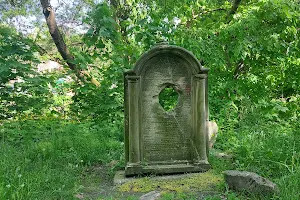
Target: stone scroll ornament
{"type": "Point", "coordinates": [159, 140]}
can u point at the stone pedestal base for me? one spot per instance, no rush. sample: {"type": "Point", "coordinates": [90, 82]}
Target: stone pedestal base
{"type": "Point", "coordinates": [132, 170]}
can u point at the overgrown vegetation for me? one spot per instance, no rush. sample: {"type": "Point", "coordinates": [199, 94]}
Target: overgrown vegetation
{"type": "Point", "coordinates": [55, 126]}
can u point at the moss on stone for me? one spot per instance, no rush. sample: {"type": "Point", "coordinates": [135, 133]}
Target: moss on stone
{"type": "Point", "coordinates": [207, 181]}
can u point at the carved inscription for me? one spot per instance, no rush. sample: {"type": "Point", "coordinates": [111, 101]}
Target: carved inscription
{"type": "Point", "coordinates": [166, 135]}
{"type": "Point", "coordinates": [165, 98]}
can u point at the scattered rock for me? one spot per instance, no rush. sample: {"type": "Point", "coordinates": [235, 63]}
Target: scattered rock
{"type": "Point", "coordinates": [224, 155]}
{"type": "Point", "coordinates": [113, 163]}
{"type": "Point", "coordinates": [150, 196]}
{"type": "Point", "coordinates": [79, 196]}
{"type": "Point", "coordinates": [212, 129]}
{"type": "Point", "coordinates": [249, 182]}
{"type": "Point", "coordinates": [221, 155]}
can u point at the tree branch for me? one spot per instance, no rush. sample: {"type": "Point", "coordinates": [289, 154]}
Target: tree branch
{"type": "Point", "coordinates": [233, 9]}
{"type": "Point", "coordinates": [240, 68]}
{"type": "Point", "coordinates": [227, 58]}
{"type": "Point", "coordinates": [194, 17]}
{"type": "Point", "coordinates": [60, 43]}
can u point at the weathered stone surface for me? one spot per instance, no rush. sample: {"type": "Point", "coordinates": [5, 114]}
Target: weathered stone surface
{"type": "Point", "coordinates": [150, 196]}
{"type": "Point", "coordinates": [249, 182]}
{"type": "Point", "coordinates": [163, 141]}
{"type": "Point", "coordinates": [223, 155]}
{"type": "Point", "coordinates": [212, 129]}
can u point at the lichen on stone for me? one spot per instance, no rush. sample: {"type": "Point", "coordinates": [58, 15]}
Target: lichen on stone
{"type": "Point", "coordinates": [207, 181]}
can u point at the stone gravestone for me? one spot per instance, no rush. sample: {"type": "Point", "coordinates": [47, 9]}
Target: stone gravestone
{"type": "Point", "coordinates": [160, 140]}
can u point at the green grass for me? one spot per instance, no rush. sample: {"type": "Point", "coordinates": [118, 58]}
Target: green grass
{"type": "Point", "coordinates": [58, 159]}
{"type": "Point", "coordinates": [45, 159]}
{"type": "Point", "coordinates": [269, 147]}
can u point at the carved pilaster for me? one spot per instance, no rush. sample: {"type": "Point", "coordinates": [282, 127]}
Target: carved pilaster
{"type": "Point", "coordinates": [200, 132]}
{"type": "Point", "coordinates": [205, 71]}
{"type": "Point", "coordinates": [134, 156]}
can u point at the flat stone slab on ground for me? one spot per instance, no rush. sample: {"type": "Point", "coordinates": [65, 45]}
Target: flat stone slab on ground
{"type": "Point", "coordinates": [192, 182]}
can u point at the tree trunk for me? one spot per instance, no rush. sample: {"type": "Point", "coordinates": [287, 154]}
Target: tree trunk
{"type": "Point", "coordinates": [60, 43]}
{"type": "Point", "coordinates": [235, 6]}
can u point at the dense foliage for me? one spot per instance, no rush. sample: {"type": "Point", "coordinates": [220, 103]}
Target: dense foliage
{"type": "Point", "coordinates": [254, 94]}
{"type": "Point", "coordinates": [21, 87]}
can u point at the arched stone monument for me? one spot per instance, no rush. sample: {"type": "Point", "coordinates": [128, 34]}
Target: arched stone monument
{"type": "Point", "coordinates": [164, 141]}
